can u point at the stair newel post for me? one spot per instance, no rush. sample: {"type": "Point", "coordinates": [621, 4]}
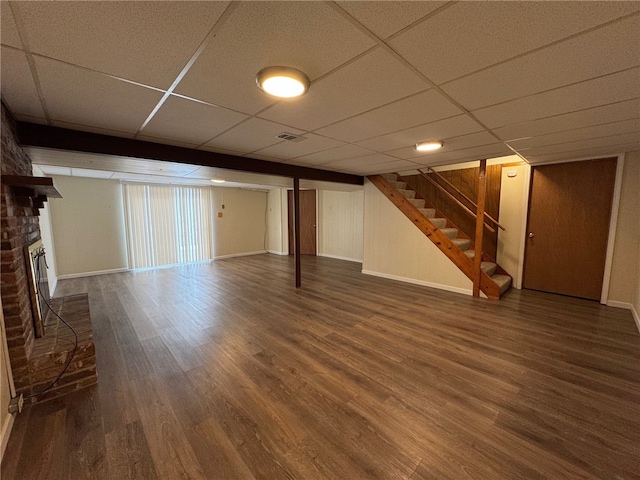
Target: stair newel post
{"type": "Point", "coordinates": [296, 229]}
{"type": "Point", "coordinates": [482, 193]}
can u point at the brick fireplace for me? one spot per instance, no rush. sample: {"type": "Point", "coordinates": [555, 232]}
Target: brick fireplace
{"type": "Point", "coordinates": [34, 361]}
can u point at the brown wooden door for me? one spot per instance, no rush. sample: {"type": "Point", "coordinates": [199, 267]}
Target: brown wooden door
{"type": "Point", "coordinates": [568, 227]}
{"type": "Point", "coordinates": [307, 222]}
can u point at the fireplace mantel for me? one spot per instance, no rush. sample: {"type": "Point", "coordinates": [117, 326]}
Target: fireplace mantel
{"type": "Point", "coordinates": [39, 189]}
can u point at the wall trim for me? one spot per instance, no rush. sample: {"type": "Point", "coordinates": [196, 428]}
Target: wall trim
{"type": "Point", "coordinates": [613, 226]}
{"type": "Point", "coordinates": [277, 253]}
{"type": "Point", "coordinates": [338, 257]}
{"type": "Point", "coordinates": [626, 306]}
{"type": "Point", "coordinates": [243, 254]}
{"type": "Point", "coordinates": [91, 274]}
{"type": "Point", "coordinates": [423, 283]}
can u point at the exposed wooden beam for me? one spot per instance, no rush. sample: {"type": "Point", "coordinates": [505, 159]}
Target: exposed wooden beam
{"type": "Point", "coordinates": [296, 230]}
{"type": "Point", "coordinates": [482, 194]}
{"type": "Point", "coordinates": [34, 135]}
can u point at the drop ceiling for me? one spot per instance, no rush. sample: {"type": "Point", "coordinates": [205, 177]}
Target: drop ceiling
{"type": "Point", "coordinates": [547, 81]}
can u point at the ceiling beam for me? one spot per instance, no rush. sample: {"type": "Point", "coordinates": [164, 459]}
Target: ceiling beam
{"type": "Point", "coordinates": [35, 135]}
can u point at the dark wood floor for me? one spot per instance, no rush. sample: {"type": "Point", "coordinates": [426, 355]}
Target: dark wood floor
{"type": "Point", "coordinates": [223, 371]}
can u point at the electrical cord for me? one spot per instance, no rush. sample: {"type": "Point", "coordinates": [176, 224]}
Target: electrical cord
{"type": "Point", "coordinates": [39, 254]}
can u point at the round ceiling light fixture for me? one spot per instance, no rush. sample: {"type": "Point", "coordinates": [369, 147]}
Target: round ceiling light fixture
{"type": "Point", "coordinates": [282, 82]}
{"type": "Point", "coordinates": [428, 146]}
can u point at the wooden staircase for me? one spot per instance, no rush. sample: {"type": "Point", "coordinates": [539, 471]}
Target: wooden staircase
{"type": "Point", "coordinates": [494, 281]}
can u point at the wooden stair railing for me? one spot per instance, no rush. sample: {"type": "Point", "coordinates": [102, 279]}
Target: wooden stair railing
{"type": "Point", "coordinates": [439, 239]}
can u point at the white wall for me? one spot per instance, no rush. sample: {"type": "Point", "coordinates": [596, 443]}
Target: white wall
{"type": "Point", "coordinates": [88, 226]}
{"type": "Point", "coordinates": [340, 224]}
{"type": "Point", "coordinates": [513, 217]}
{"type": "Point", "coordinates": [46, 233]}
{"type": "Point", "coordinates": [395, 248]}
{"type": "Point", "coordinates": [276, 242]}
{"type": "Point", "coordinates": [625, 275]}
{"type": "Point", "coordinates": [242, 229]}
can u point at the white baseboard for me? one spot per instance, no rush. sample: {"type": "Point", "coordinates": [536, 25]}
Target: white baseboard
{"type": "Point", "coordinates": [423, 283]}
{"type": "Point", "coordinates": [91, 274]}
{"type": "Point", "coordinates": [4, 435]}
{"type": "Point", "coordinates": [337, 257]}
{"type": "Point", "coordinates": [243, 254]}
{"type": "Point", "coordinates": [626, 306]}
{"type": "Point", "coordinates": [277, 253]}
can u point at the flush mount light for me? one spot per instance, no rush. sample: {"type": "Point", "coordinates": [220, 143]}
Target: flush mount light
{"type": "Point", "coordinates": [428, 146]}
{"type": "Point", "coordinates": [282, 82]}
{"type": "Point", "coordinates": [218, 180]}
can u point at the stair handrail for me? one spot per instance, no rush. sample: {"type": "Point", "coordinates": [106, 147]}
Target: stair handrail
{"type": "Point", "coordinates": [460, 192]}
{"type": "Point", "coordinates": [467, 209]}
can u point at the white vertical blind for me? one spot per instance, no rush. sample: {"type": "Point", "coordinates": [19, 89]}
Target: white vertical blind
{"type": "Point", "coordinates": [167, 225]}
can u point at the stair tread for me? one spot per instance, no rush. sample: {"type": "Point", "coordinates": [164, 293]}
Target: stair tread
{"type": "Point", "coordinates": [461, 243]}
{"type": "Point", "coordinates": [407, 193]}
{"type": "Point", "coordinates": [417, 202]}
{"type": "Point", "coordinates": [428, 212]}
{"type": "Point", "coordinates": [439, 222]}
{"type": "Point", "coordinates": [390, 176]}
{"type": "Point", "coordinates": [503, 281]}
{"type": "Point", "coordinates": [488, 267]}
{"type": "Point", "coordinates": [450, 232]}
{"type": "Point", "coordinates": [397, 185]}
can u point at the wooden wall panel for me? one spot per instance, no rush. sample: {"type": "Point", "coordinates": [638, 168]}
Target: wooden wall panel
{"type": "Point", "coordinates": [467, 181]}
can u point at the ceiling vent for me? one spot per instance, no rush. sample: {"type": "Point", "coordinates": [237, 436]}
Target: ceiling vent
{"type": "Point", "coordinates": [290, 137]}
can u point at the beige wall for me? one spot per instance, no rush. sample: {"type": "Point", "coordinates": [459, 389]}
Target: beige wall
{"type": "Point", "coordinates": [625, 275]}
{"type": "Point", "coordinates": [88, 226]}
{"type": "Point", "coordinates": [277, 241]}
{"type": "Point", "coordinates": [513, 217]}
{"type": "Point", "coordinates": [340, 228]}
{"type": "Point", "coordinates": [395, 248]}
{"type": "Point", "coordinates": [243, 226]}
{"type": "Point", "coordinates": [6, 419]}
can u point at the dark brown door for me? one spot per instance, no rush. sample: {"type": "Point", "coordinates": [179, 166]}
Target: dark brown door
{"type": "Point", "coordinates": [568, 227]}
{"type": "Point", "coordinates": [307, 222]}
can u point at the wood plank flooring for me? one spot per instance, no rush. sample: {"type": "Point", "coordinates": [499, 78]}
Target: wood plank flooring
{"type": "Point", "coordinates": [224, 371]}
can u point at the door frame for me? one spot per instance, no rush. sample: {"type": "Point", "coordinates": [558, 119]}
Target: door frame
{"type": "Point", "coordinates": [613, 221]}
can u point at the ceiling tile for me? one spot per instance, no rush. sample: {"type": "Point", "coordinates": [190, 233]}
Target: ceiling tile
{"type": "Point", "coordinates": [84, 128]}
{"type": "Point", "coordinates": [8, 31]}
{"type": "Point", "coordinates": [583, 118]}
{"type": "Point", "coordinates": [386, 18]}
{"type": "Point", "coordinates": [387, 167]}
{"type": "Point", "coordinates": [472, 35]}
{"type": "Point", "coordinates": [190, 122]}
{"type": "Point", "coordinates": [251, 135]}
{"type": "Point", "coordinates": [310, 36]}
{"type": "Point", "coordinates": [370, 81]}
{"type": "Point", "coordinates": [601, 91]}
{"type": "Point", "coordinates": [210, 148]}
{"type": "Point", "coordinates": [622, 139]}
{"type": "Point", "coordinates": [450, 145]}
{"type": "Point", "coordinates": [587, 56]}
{"type": "Point", "coordinates": [287, 150]}
{"type": "Point", "coordinates": [142, 41]}
{"type": "Point", "coordinates": [79, 96]}
{"type": "Point", "coordinates": [447, 128]}
{"type": "Point", "coordinates": [18, 88]}
{"type": "Point", "coordinates": [587, 133]}
{"type": "Point", "coordinates": [333, 155]}
{"type": "Point", "coordinates": [367, 161]}
{"type": "Point", "coordinates": [584, 153]}
{"type": "Point", "coordinates": [417, 109]}
{"type": "Point", "coordinates": [467, 154]}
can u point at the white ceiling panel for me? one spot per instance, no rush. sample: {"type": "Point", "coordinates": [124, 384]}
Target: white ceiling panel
{"type": "Point", "coordinates": [469, 36]}
{"type": "Point", "coordinates": [372, 80]}
{"type": "Point", "coordinates": [333, 155]}
{"type": "Point", "coordinates": [191, 122]}
{"type": "Point", "coordinates": [415, 110]}
{"type": "Point", "coordinates": [164, 141]}
{"type": "Point", "coordinates": [252, 135]}
{"type": "Point", "coordinates": [361, 162]}
{"type": "Point", "coordinates": [219, 150]}
{"type": "Point", "coordinates": [8, 31]}
{"type": "Point", "coordinates": [587, 133]}
{"type": "Point", "coordinates": [126, 39]}
{"type": "Point", "coordinates": [80, 96]}
{"type": "Point", "coordinates": [622, 139]}
{"type": "Point", "coordinates": [587, 56]}
{"type": "Point", "coordinates": [464, 155]}
{"type": "Point", "coordinates": [456, 143]}
{"type": "Point", "coordinates": [286, 149]}
{"type": "Point", "coordinates": [310, 36]}
{"type": "Point", "coordinates": [388, 167]}
{"type": "Point", "coordinates": [386, 18]}
{"type": "Point", "coordinates": [584, 153]}
{"type": "Point", "coordinates": [601, 91]}
{"type": "Point", "coordinates": [583, 118]}
{"type": "Point", "coordinates": [85, 128]}
{"type": "Point", "coordinates": [18, 87]}
{"type": "Point", "coordinates": [450, 127]}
